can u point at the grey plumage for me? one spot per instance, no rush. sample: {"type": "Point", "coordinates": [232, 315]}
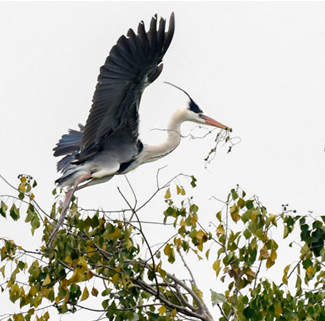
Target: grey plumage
{"type": "Point", "coordinates": [109, 145]}
{"type": "Point", "coordinates": [111, 130]}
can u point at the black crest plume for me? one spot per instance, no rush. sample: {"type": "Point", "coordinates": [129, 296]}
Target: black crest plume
{"type": "Point", "coordinates": [192, 104]}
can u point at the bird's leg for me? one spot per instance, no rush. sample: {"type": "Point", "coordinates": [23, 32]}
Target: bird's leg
{"type": "Point", "coordinates": [66, 203]}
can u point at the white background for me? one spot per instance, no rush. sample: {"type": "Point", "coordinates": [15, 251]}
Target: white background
{"type": "Point", "coordinates": [256, 67]}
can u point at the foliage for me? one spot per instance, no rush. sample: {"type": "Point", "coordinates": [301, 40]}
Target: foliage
{"type": "Point", "coordinates": [242, 244]}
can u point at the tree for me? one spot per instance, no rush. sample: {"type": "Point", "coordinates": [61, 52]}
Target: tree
{"type": "Point", "coordinates": [241, 245]}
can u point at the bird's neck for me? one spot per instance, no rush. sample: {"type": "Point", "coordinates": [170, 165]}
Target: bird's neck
{"type": "Point", "coordinates": [152, 153]}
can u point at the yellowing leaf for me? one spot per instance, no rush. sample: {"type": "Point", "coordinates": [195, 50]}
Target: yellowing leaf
{"type": "Point", "coordinates": [200, 234]}
{"type": "Point", "coordinates": [47, 280]}
{"type": "Point", "coordinates": [22, 188]}
{"type": "Point", "coordinates": [220, 229]}
{"type": "Point", "coordinates": [178, 189]}
{"type": "Point", "coordinates": [285, 279]}
{"type": "Point", "coordinates": [234, 212]}
{"type": "Point", "coordinates": [269, 263]}
{"type": "Point", "coordinates": [64, 283]}
{"type": "Point", "coordinates": [309, 271]}
{"type": "Point", "coordinates": [19, 317]}
{"type": "Point", "coordinates": [89, 275]}
{"type": "Point", "coordinates": [85, 294]}
{"type": "Point", "coordinates": [253, 244]}
{"type": "Point", "coordinates": [116, 277]}
{"type": "Point", "coordinates": [286, 269]}
{"type": "Point", "coordinates": [273, 218]}
{"type": "Point", "coordinates": [273, 255]}
{"type": "Point", "coordinates": [31, 311]}
{"type": "Point", "coordinates": [162, 273]}
{"type": "Point", "coordinates": [226, 270]}
{"type": "Point", "coordinates": [33, 290]}
{"type": "Point", "coordinates": [68, 259]}
{"type": "Point", "coordinates": [216, 266]}
{"type": "Point", "coordinates": [264, 253]}
{"type": "Point", "coordinates": [77, 275]}
{"type": "Point", "coordinates": [2, 270]}
{"type": "Point", "coordinates": [177, 241]}
{"type": "Point", "coordinates": [94, 292]}
{"type": "Point", "coordinates": [278, 310]}
{"type": "Point", "coordinates": [162, 310]}
{"type": "Point", "coordinates": [304, 250]}
{"type": "Point", "coordinates": [116, 234]}
{"type": "Point", "coordinates": [251, 275]}
{"type": "Point", "coordinates": [167, 249]}
{"type": "Point", "coordinates": [167, 195]}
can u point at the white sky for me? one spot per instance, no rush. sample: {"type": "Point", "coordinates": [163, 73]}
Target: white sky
{"type": "Point", "coordinates": [257, 67]}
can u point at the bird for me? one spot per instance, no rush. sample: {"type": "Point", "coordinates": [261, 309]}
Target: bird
{"type": "Point", "coordinates": [109, 143]}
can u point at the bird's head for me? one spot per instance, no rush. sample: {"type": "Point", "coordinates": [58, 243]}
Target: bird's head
{"type": "Point", "coordinates": [196, 114]}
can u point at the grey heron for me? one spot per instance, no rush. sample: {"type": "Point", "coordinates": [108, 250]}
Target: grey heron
{"type": "Point", "coordinates": [108, 144]}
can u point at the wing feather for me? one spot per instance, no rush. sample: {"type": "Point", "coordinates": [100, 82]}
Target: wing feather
{"type": "Point", "coordinates": [133, 63]}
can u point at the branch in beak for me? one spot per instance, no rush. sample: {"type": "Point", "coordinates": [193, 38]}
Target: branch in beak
{"type": "Point", "coordinates": [212, 122]}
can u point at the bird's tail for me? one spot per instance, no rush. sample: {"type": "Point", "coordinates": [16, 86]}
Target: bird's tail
{"type": "Point", "coordinates": [68, 145]}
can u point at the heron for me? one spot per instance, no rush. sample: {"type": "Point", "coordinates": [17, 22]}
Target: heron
{"type": "Point", "coordinates": [109, 143]}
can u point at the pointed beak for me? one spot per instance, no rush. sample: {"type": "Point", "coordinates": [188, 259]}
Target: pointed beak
{"type": "Point", "coordinates": [212, 122]}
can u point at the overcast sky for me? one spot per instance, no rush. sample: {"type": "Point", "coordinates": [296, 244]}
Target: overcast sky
{"type": "Point", "coordinates": [257, 67]}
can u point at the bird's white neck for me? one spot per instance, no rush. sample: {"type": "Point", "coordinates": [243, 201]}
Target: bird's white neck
{"type": "Point", "coordinates": [152, 153]}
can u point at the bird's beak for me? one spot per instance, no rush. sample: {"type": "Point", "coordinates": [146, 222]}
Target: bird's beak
{"type": "Point", "coordinates": [212, 122]}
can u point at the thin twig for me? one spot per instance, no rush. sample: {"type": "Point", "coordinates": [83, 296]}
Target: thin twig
{"type": "Point", "coordinates": [144, 237]}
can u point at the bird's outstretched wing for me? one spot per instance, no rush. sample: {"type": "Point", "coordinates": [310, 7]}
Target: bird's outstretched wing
{"type": "Point", "coordinates": [133, 63]}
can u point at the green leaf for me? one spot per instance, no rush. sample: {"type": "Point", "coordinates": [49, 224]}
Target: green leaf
{"type": "Point", "coordinates": [14, 212]}
{"type": "Point", "coordinates": [246, 216]}
{"type": "Point", "coordinates": [217, 298]}
{"type": "Point", "coordinates": [247, 234]}
{"type": "Point", "coordinates": [3, 209]}
{"type": "Point", "coordinates": [218, 215]}
{"type": "Point", "coordinates": [21, 265]}
{"type": "Point", "coordinates": [194, 208]}
{"type": "Point", "coordinates": [193, 182]}
{"type": "Point", "coordinates": [35, 222]}
{"type": "Point", "coordinates": [234, 194]}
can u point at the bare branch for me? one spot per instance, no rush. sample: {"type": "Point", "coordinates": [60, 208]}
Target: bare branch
{"type": "Point", "coordinates": [144, 237]}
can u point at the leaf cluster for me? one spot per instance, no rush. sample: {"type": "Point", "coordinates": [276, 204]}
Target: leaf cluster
{"type": "Point", "coordinates": [96, 255]}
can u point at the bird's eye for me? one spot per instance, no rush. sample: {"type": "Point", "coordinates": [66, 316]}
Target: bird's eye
{"type": "Point", "coordinates": [200, 115]}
